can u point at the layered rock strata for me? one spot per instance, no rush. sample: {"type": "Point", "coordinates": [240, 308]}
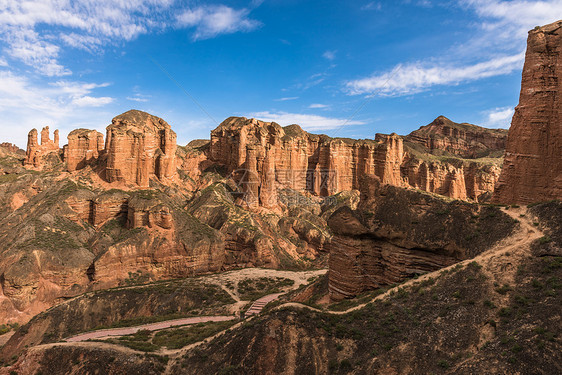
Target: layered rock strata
{"type": "Point", "coordinates": [37, 151]}
{"type": "Point", "coordinates": [465, 140]}
{"type": "Point", "coordinates": [396, 233]}
{"type": "Point", "coordinates": [261, 156]}
{"type": "Point", "coordinates": [532, 170]}
{"type": "Point", "coordinates": [139, 146]}
{"type": "Point", "coordinates": [84, 146]}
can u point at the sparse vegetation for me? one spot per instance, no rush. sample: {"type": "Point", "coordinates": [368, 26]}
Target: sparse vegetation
{"type": "Point", "coordinates": [252, 289]}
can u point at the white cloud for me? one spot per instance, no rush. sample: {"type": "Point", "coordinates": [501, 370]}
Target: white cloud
{"type": "Point", "coordinates": [3, 62]}
{"type": "Point", "coordinates": [503, 25]}
{"type": "Point", "coordinates": [416, 77]}
{"type": "Point", "coordinates": [499, 117]}
{"type": "Point", "coordinates": [139, 98]}
{"type": "Point", "coordinates": [516, 15]}
{"type": "Point", "coordinates": [373, 5]}
{"type": "Point", "coordinates": [496, 48]}
{"type": "Point", "coordinates": [318, 106]}
{"type": "Point", "coordinates": [89, 101]}
{"type": "Point", "coordinates": [287, 99]}
{"type": "Point", "coordinates": [25, 104]}
{"type": "Point", "coordinates": [329, 55]}
{"type": "Point", "coordinates": [210, 21]}
{"type": "Point", "coordinates": [34, 30]}
{"type": "Point", "coordinates": [306, 121]}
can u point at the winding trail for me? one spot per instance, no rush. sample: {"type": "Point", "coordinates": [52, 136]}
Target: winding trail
{"type": "Point", "coordinates": [500, 262]}
{"type": "Point", "coordinates": [500, 259]}
{"type": "Point", "coordinates": [103, 333]}
{"type": "Point", "coordinates": [221, 280]}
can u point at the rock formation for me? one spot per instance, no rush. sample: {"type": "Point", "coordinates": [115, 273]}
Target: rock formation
{"type": "Point", "coordinates": [138, 146]}
{"type": "Point", "coordinates": [396, 233]}
{"type": "Point", "coordinates": [263, 155]}
{"type": "Point", "coordinates": [465, 140]}
{"type": "Point", "coordinates": [9, 147]}
{"type": "Point", "coordinates": [532, 169]}
{"type": "Point", "coordinates": [35, 151]}
{"type": "Point", "coordinates": [83, 147]}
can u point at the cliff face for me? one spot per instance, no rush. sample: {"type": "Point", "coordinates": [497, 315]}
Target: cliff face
{"type": "Point", "coordinates": [138, 146]}
{"type": "Point", "coordinates": [263, 155]}
{"type": "Point", "coordinates": [464, 140]}
{"type": "Point", "coordinates": [83, 147]}
{"type": "Point", "coordinates": [396, 233]}
{"type": "Point", "coordinates": [532, 169]}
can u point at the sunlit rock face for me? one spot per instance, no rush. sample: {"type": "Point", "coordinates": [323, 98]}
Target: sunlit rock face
{"type": "Point", "coordinates": [532, 169]}
{"type": "Point", "coordinates": [262, 155]}
{"type": "Point", "coordinates": [37, 151]}
{"type": "Point", "coordinates": [139, 146]}
{"type": "Point", "coordinates": [84, 146]}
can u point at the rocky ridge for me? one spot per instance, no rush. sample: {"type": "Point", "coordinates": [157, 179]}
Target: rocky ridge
{"type": "Point", "coordinates": [264, 155]}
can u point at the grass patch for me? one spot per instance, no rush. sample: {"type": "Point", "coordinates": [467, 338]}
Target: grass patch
{"type": "Point", "coordinates": [182, 337]}
{"type": "Point", "coordinates": [252, 289]}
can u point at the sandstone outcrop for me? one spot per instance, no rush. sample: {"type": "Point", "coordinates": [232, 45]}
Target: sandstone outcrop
{"type": "Point", "coordinates": [263, 157]}
{"type": "Point", "coordinates": [37, 151]}
{"type": "Point", "coordinates": [11, 148]}
{"type": "Point", "coordinates": [397, 233]}
{"type": "Point", "coordinates": [84, 146]}
{"type": "Point", "coordinates": [139, 146]}
{"type": "Point", "coordinates": [532, 169]}
{"type": "Point", "coordinates": [464, 140]}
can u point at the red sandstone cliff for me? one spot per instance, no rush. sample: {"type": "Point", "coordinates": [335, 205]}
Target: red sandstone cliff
{"type": "Point", "coordinates": [464, 140]}
{"type": "Point", "coordinates": [397, 233]}
{"type": "Point", "coordinates": [83, 147]}
{"type": "Point", "coordinates": [139, 146]}
{"type": "Point", "coordinates": [264, 155]}
{"type": "Point", "coordinates": [35, 151]}
{"type": "Point", "coordinates": [532, 169]}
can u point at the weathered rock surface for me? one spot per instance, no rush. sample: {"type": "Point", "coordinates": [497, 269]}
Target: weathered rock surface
{"type": "Point", "coordinates": [464, 140]}
{"type": "Point", "coordinates": [139, 146]}
{"type": "Point", "coordinates": [532, 169]}
{"type": "Point", "coordinates": [84, 146]}
{"type": "Point", "coordinates": [396, 233]}
{"type": "Point", "coordinates": [35, 151]}
{"type": "Point", "coordinates": [11, 148]}
{"type": "Point", "coordinates": [265, 156]}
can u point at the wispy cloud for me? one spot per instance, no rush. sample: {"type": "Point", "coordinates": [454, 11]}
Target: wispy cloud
{"type": "Point", "coordinates": [91, 24]}
{"type": "Point", "coordinates": [416, 77]}
{"type": "Point", "coordinates": [286, 99]}
{"type": "Point", "coordinates": [373, 5]}
{"type": "Point", "coordinates": [499, 117]}
{"type": "Point", "coordinates": [3, 62]}
{"type": "Point", "coordinates": [306, 121]}
{"type": "Point", "coordinates": [140, 98]}
{"type": "Point", "coordinates": [318, 106]}
{"type": "Point", "coordinates": [496, 48]}
{"type": "Point", "coordinates": [329, 55]}
{"type": "Point", "coordinates": [210, 21]}
{"type": "Point", "coordinates": [28, 103]}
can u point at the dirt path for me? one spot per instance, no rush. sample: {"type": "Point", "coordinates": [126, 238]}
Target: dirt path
{"type": "Point", "coordinates": [230, 278]}
{"type": "Point", "coordinates": [500, 261]}
{"type": "Point", "coordinates": [104, 333]}
{"type": "Point", "coordinates": [221, 280]}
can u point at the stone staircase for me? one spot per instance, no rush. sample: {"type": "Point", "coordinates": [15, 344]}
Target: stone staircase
{"type": "Point", "coordinates": [259, 304]}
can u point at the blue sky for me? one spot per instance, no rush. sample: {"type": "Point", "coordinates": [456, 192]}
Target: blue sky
{"type": "Point", "coordinates": [344, 68]}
